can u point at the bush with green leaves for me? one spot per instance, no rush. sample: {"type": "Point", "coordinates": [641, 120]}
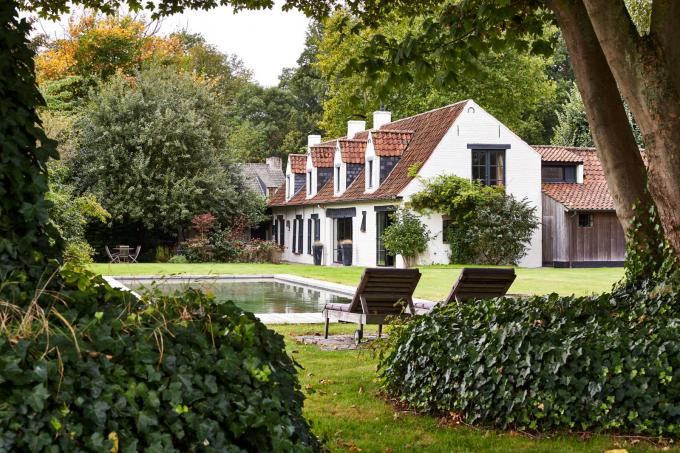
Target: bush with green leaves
{"type": "Point", "coordinates": [487, 226]}
{"type": "Point", "coordinates": [86, 367]}
{"type": "Point", "coordinates": [153, 150]}
{"type": "Point", "coordinates": [178, 259]}
{"type": "Point", "coordinates": [604, 362]}
{"type": "Point", "coordinates": [406, 235]}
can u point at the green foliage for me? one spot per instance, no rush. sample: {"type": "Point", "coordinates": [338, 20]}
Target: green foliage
{"type": "Point", "coordinates": [486, 226]}
{"type": "Point", "coordinates": [162, 254]}
{"type": "Point", "coordinates": [572, 127]}
{"type": "Point", "coordinates": [27, 239]}
{"type": "Point", "coordinates": [176, 373]}
{"type": "Point", "coordinates": [152, 150]}
{"type": "Point", "coordinates": [406, 235]}
{"type": "Point", "coordinates": [654, 260]}
{"type": "Point", "coordinates": [78, 252]}
{"type": "Point", "coordinates": [178, 259]}
{"type": "Point", "coordinates": [71, 214]}
{"type": "Point", "coordinates": [606, 362]}
{"type": "Point", "coordinates": [514, 86]}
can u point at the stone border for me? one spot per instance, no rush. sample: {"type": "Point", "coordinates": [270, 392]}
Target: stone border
{"type": "Point", "coordinates": [267, 318]}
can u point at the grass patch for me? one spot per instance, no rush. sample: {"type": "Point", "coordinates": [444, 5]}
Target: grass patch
{"type": "Point", "coordinates": [347, 412]}
{"type": "Point", "coordinates": [435, 283]}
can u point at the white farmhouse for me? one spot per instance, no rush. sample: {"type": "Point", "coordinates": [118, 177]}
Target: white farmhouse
{"type": "Point", "coordinates": [345, 188]}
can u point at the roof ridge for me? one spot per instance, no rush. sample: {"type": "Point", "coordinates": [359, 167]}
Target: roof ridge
{"type": "Point", "coordinates": [583, 148]}
{"type": "Point", "coordinates": [394, 131]}
{"type": "Point", "coordinates": [425, 113]}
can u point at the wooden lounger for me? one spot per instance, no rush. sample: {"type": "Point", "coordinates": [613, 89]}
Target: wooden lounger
{"type": "Point", "coordinates": [382, 292]}
{"type": "Point", "coordinates": [477, 283]}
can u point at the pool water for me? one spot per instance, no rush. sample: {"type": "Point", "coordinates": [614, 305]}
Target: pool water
{"type": "Point", "coordinates": [257, 296]}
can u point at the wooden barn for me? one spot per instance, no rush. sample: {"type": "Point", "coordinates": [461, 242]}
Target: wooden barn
{"type": "Point", "coordinates": [580, 227]}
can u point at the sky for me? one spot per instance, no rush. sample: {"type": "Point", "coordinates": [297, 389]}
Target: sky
{"type": "Point", "coordinates": [267, 41]}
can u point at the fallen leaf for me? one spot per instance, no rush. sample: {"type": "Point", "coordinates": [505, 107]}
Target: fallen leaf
{"type": "Point", "coordinates": [361, 389]}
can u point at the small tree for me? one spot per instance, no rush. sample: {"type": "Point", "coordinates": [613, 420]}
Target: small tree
{"type": "Point", "coordinates": [406, 236]}
{"type": "Point", "coordinates": [487, 225]}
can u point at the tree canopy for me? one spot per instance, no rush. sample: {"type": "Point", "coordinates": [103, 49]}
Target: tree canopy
{"type": "Point", "coordinates": [151, 148]}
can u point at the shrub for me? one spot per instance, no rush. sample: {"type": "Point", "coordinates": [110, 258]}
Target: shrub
{"type": "Point", "coordinates": [487, 226]}
{"type": "Point", "coordinates": [78, 253]}
{"type": "Point", "coordinates": [406, 236]}
{"type": "Point", "coordinates": [92, 369]}
{"type": "Point", "coordinates": [162, 254]}
{"type": "Point", "coordinates": [178, 259]}
{"type": "Point", "coordinates": [606, 362]}
{"type": "Point", "coordinates": [226, 248]}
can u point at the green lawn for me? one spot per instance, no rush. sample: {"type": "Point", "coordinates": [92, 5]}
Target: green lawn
{"type": "Point", "coordinates": [434, 285]}
{"type": "Point", "coordinates": [347, 413]}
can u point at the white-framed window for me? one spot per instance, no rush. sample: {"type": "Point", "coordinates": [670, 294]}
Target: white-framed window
{"type": "Point", "coordinates": [309, 182]}
{"type": "Point", "coordinates": [369, 173]}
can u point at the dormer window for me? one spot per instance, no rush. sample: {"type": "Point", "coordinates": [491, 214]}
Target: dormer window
{"type": "Point", "coordinates": [309, 182]}
{"type": "Point", "coordinates": [554, 173]}
{"type": "Point", "coordinates": [369, 173]}
{"type": "Point", "coordinates": [289, 186]}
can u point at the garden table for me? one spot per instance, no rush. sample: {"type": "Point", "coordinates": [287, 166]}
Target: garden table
{"type": "Point", "coordinates": [123, 252]}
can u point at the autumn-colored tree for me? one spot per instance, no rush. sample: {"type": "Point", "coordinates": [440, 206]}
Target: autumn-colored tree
{"type": "Point", "coordinates": [99, 46]}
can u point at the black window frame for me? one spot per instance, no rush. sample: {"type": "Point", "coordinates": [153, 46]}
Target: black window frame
{"type": "Point", "coordinates": [309, 236]}
{"type": "Point", "coordinates": [309, 182]}
{"type": "Point", "coordinates": [369, 173]}
{"type": "Point", "coordinates": [446, 226]}
{"type": "Point", "coordinates": [589, 220]}
{"type": "Point", "coordinates": [362, 227]}
{"type": "Point", "coordinates": [281, 236]}
{"type": "Point", "coordinates": [298, 235]}
{"type": "Point", "coordinates": [568, 174]}
{"type": "Point", "coordinates": [487, 165]}
{"type": "Point", "coordinates": [337, 178]}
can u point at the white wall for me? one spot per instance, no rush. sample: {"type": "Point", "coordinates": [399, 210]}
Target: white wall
{"type": "Point", "coordinates": [452, 156]}
{"type": "Point", "coordinates": [363, 243]}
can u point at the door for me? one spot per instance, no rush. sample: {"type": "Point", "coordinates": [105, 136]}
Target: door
{"type": "Point", "coordinates": [383, 220]}
{"type": "Point", "coordinates": [343, 231]}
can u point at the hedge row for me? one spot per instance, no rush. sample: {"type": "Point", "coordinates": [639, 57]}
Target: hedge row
{"type": "Point", "coordinates": [607, 362]}
{"type": "Point", "coordinates": [181, 374]}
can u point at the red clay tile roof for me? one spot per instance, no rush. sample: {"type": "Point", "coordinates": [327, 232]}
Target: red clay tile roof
{"type": "Point", "coordinates": [428, 130]}
{"type": "Point", "coordinates": [352, 151]}
{"type": "Point", "coordinates": [323, 155]}
{"type": "Point", "coordinates": [389, 143]}
{"type": "Point", "coordinates": [593, 194]}
{"type": "Point", "coordinates": [558, 153]}
{"type": "Point", "coordinates": [298, 163]}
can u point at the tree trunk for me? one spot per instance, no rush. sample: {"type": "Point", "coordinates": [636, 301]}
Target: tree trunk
{"type": "Point", "coordinates": [646, 71]}
{"type": "Point", "coordinates": [623, 167]}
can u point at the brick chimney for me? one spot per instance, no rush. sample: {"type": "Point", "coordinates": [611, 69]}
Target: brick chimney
{"type": "Point", "coordinates": [274, 163]}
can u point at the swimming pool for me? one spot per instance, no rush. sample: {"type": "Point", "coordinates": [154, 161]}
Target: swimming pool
{"type": "Point", "coordinates": [257, 295]}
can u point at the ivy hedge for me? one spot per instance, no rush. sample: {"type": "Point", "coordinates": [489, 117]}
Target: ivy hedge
{"type": "Point", "coordinates": [606, 362]}
{"type": "Point", "coordinates": [88, 368]}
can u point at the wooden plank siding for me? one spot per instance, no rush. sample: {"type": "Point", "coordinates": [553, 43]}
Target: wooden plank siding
{"type": "Point", "coordinates": [555, 232]}
{"type": "Point", "coordinates": [603, 242]}
{"type": "Point", "coordinates": [566, 244]}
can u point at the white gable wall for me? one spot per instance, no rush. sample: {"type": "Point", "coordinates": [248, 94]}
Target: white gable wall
{"type": "Point", "coordinates": [452, 156]}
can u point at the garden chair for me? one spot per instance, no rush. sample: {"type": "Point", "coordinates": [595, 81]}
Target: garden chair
{"type": "Point", "coordinates": [476, 283]}
{"type": "Point", "coordinates": [123, 253]}
{"type": "Point", "coordinates": [382, 292]}
{"type": "Point", "coordinates": [133, 257]}
{"type": "Point", "coordinates": [112, 256]}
